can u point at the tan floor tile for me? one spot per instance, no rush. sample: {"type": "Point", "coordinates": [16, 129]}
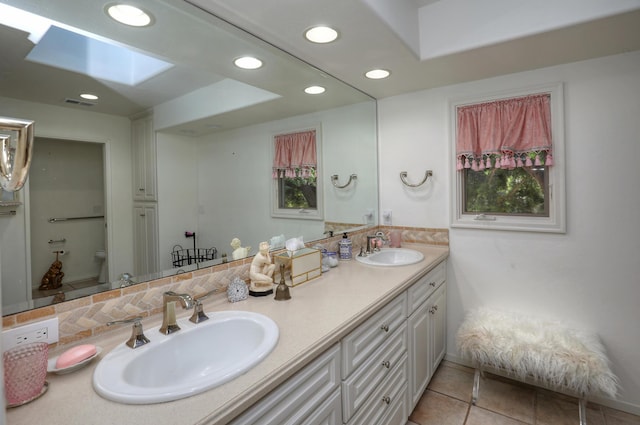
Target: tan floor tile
{"type": "Point", "coordinates": [437, 409]}
{"type": "Point", "coordinates": [554, 410]}
{"type": "Point", "coordinates": [616, 417]}
{"type": "Point", "coordinates": [508, 399]}
{"type": "Point", "coordinates": [452, 381]}
{"type": "Point", "coordinates": [478, 416]}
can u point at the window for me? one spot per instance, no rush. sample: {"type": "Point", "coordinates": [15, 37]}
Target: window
{"type": "Point", "coordinates": [508, 155]}
{"type": "Point", "coordinates": [297, 187]}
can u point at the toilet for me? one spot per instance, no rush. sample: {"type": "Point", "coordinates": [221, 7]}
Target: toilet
{"type": "Point", "coordinates": [102, 256]}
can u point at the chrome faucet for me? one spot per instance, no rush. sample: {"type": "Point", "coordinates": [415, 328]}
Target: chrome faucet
{"type": "Point", "coordinates": [370, 249]}
{"type": "Point", "coordinates": [169, 323]}
{"type": "Point", "coordinates": [137, 338]}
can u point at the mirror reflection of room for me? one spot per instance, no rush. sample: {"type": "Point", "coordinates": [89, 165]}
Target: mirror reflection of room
{"type": "Point", "coordinates": [188, 146]}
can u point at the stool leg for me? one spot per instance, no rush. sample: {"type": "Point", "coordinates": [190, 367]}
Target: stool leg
{"type": "Point", "coordinates": [582, 408]}
{"type": "Point", "coordinates": [476, 387]}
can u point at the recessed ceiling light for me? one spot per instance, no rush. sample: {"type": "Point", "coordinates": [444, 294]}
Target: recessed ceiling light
{"type": "Point", "coordinates": [129, 15]}
{"type": "Point", "coordinates": [377, 74]}
{"type": "Point", "coordinates": [248, 62]}
{"type": "Point", "coordinates": [321, 34]}
{"type": "Point", "coordinates": [314, 90]}
{"type": "Point", "coordinates": [89, 96]}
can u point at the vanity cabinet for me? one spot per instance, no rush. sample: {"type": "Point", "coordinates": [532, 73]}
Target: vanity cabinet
{"type": "Point", "coordinates": [310, 397]}
{"type": "Point", "coordinates": [376, 374]}
{"type": "Point", "coordinates": [426, 330]}
{"type": "Point", "coordinates": [143, 143]}
{"type": "Point", "coordinates": [374, 366]}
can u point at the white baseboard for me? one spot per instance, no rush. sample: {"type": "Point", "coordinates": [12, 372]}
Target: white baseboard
{"type": "Point", "coordinates": [624, 406]}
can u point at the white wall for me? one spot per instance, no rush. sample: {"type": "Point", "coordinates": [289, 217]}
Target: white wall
{"type": "Point", "coordinates": [115, 132]}
{"type": "Point", "coordinates": [587, 276]}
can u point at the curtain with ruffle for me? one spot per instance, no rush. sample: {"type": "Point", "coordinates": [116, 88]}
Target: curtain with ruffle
{"type": "Point", "coordinates": [507, 133]}
{"type": "Point", "coordinates": [295, 154]}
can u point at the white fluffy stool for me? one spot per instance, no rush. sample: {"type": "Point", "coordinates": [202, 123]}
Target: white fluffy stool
{"type": "Point", "coordinates": [551, 354]}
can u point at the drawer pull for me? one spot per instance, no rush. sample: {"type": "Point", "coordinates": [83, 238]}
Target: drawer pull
{"type": "Point", "coordinates": [386, 364]}
{"type": "Point", "coordinates": [385, 328]}
{"type": "Point", "coordinates": [432, 284]}
{"type": "Point", "coordinates": [386, 399]}
{"type": "Point", "coordinates": [433, 309]}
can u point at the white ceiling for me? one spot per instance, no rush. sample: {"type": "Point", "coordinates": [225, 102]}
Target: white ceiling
{"type": "Point", "coordinates": [390, 34]}
{"type": "Point", "coordinates": [371, 35]}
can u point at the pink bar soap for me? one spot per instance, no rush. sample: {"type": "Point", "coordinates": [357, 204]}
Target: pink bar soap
{"type": "Point", "coordinates": [75, 355]}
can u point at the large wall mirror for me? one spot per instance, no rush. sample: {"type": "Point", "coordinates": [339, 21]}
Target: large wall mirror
{"type": "Point", "coordinates": [175, 153]}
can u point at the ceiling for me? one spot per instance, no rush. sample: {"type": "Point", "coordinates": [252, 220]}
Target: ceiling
{"type": "Point", "coordinates": [389, 34]}
{"type": "Point", "coordinates": [580, 30]}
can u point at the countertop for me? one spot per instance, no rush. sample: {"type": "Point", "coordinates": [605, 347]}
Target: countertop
{"type": "Point", "coordinates": [319, 314]}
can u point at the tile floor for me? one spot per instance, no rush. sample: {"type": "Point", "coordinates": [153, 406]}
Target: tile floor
{"type": "Point", "coordinates": [501, 401]}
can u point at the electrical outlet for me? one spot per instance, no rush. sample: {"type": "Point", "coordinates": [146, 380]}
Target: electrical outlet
{"type": "Point", "coordinates": [369, 216]}
{"type": "Point", "coordinates": [386, 218]}
{"type": "Point", "coordinates": [43, 331]}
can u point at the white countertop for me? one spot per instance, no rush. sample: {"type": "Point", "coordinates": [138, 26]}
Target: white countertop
{"type": "Point", "coordinates": [319, 313]}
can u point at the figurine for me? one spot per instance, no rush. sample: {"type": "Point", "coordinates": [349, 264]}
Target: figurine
{"type": "Point", "coordinates": [261, 272]}
{"type": "Point", "coordinates": [52, 279]}
{"type": "Point", "coordinates": [238, 251]}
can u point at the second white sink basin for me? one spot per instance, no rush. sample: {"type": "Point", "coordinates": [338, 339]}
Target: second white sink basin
{"type": "Point", "coordinates": [392, 257]}
{"type": "Point", "coordinates": [190, 361]}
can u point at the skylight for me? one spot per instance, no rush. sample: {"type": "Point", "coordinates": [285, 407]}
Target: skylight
{"type": "Point", "coordinates": [75, 52]}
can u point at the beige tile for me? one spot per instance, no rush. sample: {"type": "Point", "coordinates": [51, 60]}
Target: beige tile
{"type": "Point", "coordinates": [437, 409]}
{"type": "Point", "coordinates": [558, 410]}
{"type": "Point", "coordinates": [616, 417]}
{"type": "Point", "coordinates": [452, 381]}
{"type": "Point", "coordinates": [507, 398]}
{"type": "Point", "coordinates": [478, 416]}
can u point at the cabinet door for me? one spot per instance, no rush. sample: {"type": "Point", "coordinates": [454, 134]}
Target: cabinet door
{"type": "Point", "coordinates": [419, 351]}
{"type": "Point", "coordinates": [145, 243]}
{"type": "Point", "coordinates": [438, 327]}
{"type": "Point", "coordinates": [143, 146]}
{"type": "Point", "coordinates": [309, 397]}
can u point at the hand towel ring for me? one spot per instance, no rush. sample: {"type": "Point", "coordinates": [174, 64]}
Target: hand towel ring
{"type": "Point", "coordinates": [334, 180]}
{"type": "Point", "coordinates": [403, 177]}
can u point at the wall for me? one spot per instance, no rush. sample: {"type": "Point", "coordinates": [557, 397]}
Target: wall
{"type": "Point", "coordinates": [115, 132]}
{"type": "Point", "coordinates": [587, 276]}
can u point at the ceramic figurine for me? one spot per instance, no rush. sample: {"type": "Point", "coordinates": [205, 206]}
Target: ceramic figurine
{"type": "Point", "coordinates": [261, 272]}
{"type": "Point", "coordinates": [239, 252]}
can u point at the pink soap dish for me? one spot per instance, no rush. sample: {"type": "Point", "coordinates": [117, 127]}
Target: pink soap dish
{"type": "Point", "coordinates": [51, 366]}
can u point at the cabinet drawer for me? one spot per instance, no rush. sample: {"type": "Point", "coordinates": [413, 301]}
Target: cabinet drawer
{"type": "Point", "coordinates": [360, 344]}
{"type": "Point", "coordinates": [359, 386]}
{"type": "Point", "coordinates": [384, 401]}
{"type": "Point", "coordinates": [300, 396]}
{"type": "Point", "coordinates": [424, 287]}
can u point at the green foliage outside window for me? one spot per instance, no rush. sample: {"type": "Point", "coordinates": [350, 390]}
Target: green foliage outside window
{"type": "Point", "coordinates": [520, 191]}
{"type": "Point", "coordinates": [298, 192]}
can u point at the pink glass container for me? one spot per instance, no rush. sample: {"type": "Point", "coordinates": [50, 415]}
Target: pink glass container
{"type": "Point", "coordinates": [25, 370]}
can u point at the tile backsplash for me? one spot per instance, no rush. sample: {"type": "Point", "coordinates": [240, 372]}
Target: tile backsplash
{"type": "Point", "coordinates": [85, 317]}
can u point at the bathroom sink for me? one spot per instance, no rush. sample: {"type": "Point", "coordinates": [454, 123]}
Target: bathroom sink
{"type": "Point", "coordinates": [392, 257]}
{"type": "Point", "coordinates": [188, 362]}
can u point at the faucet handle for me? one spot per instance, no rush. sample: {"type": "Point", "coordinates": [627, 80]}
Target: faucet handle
{"type": "Point", "coordinates": [198, 314]}
{"type": "Point", "coordinates": [137, 338]}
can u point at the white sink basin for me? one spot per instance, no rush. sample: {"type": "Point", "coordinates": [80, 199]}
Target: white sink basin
{"type": "Point", "coordinates": [190, 361]}
{"type": "Point", "coordinates": [390, 257]}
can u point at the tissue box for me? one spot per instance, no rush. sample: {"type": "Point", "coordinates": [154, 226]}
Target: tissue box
{"type": "Point", "coordinates": [305, 265]}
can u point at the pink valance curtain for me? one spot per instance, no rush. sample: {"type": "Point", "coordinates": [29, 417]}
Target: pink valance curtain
{"type": "Point", "coordinates": [295, 154]}
{"type": "Point", "coordinates": [508, 132]}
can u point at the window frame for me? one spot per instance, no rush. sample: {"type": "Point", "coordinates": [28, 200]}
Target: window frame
{"type": "Point", "coordinates": [556, 221]}
{"type": "Point", "coordinates": [301, 214]}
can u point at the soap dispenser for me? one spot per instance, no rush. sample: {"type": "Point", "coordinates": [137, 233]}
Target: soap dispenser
{"type": "Point", "coordinates": [345, 247]}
